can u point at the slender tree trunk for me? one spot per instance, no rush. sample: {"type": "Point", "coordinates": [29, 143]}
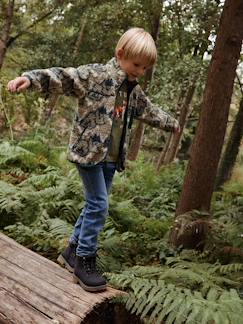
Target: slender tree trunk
{"type": "Point", "coordinates": [175, 138]}
{"type": "Point", "coordinates": [188, 229]}
{"type": "Point", "coordinates": [161, 159]}
{"type": "Point", "coordinates": [2, 53]}
{"type": "Point", "coordinates": [232, 149]}
{"type": "Point", "coordinates": [8, 12]}
{"type": "Point", "coordinates": [78, 43]}
{"type": "Point", "coordinates": [137, 141]}
{"type": "Point", "coordinates": [173, 141]}
{"type": "Point", "coordinates": [169, 138]}
{"type": "Point", "coordinates": [138, 134]}
{"type": "Point", "coordinates": [49, 108]}
{"type": "Point", "coordinates": [185, 112]}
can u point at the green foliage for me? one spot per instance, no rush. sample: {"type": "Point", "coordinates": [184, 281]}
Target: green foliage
{"type": "Point", "coordinates": [11, 155]}
{"type": "Point", "coordinates": [140, 214]}
{"type": "Point", "coordinates": [68, 34]}
{"type": "Point", "coordinates": [43, 202]}
{"type": "Point", "coordinates": [41, 195]}
{"type": "Point", "coordinates": [181, 292]}
{"type": "Point", "coordinates": [227, 208]}
{"type": "Point", "coordinates": [41, 205]}
{"type": "Point", "coordinates": [43, 235]}
{"type": "Point", "coordinates": [142, 185]}
{"type": "Point", "coordinates": [50, 192]}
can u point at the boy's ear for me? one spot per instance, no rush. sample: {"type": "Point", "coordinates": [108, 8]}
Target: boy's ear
{"type": "Point", "coordinates": [120, 53]}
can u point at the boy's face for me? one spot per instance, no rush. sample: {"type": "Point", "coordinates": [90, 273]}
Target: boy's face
{"type": "Point", "coordinates": [133, 67]}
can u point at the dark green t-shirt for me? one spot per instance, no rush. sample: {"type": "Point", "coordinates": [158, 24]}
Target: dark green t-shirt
{"type": "Point", "coordinates": [118, 122]}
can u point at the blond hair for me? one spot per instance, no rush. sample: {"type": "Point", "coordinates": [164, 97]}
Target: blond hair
{"type": "Point", "coordinates": [137, 42]}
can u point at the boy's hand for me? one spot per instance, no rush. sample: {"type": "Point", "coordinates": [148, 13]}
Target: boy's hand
{"type": "Point", "coordinates": [18, 84]}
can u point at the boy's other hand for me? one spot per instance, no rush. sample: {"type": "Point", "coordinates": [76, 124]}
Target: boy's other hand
{"type": "Point", "coordinates": [18, 84]}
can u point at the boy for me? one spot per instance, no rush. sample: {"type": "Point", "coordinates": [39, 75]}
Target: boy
{"type": "Point", "coordinates": [109, 99]}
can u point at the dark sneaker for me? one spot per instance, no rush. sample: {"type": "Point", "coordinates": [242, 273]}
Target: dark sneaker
{"type": "Point", "coordinates": [87, 275]}
{"type": "Point", "coordinates": [67, 257]}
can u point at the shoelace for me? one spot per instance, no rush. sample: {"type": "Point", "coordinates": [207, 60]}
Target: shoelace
{"type": "Point", "coordinates": [90, 265]}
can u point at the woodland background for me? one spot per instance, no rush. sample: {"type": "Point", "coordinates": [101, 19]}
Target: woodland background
{"type": "Point", "coordinates": [187, 274]}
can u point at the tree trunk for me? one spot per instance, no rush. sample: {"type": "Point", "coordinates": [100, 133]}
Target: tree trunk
{"type": "Point", "coordinates": [169, 138]}
{"type": "Point", "coordinates": [5, 34]}
{"type": "Point", "coordinates": [231, 150]}
{"type": "Point", "coordinates": [48, 110]}
{"type": "Point", "coordinates": [185, 112]}
{"type": "Point", "coordinates": [198, 186]}
{"type": "Point", "coordinates": [161, 159]}
{"type": "Point", "coordinates": [173, 142]}
{"type": "Point", "coordinates": [2, 52]}
{"type": "Point", "coordinates": [138, 133]}
{"type": "Point", "coordinates": [139, 130]}
{"type": "Point", "coordinates": [175, 138]}
{"type": "Point", "coordinates": [137, 140]}
{"type": "Point", "coordinates": [78, 43]}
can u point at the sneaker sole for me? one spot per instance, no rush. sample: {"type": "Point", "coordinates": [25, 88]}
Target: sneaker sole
{"type": "Point", "coordinates": [64, 263]}
{"type": "Point", "coordinates": [88, 288]}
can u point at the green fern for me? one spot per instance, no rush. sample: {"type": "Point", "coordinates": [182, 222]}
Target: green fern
{"type": "Point", "coordinates": [58, 195]}
{"type": "Point", "coordinates": [10, 198]}
{"type": "Point", "coordinates": [42, 235]}
{"type": "Point", "coordinates": [158, 300]}
{"type": "Point", "coordinates": [227, 268]}
{"type": "Point", "coordinates": [15, 155]}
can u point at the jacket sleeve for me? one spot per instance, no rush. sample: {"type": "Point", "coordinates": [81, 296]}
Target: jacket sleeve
{"type": "Point", "coordinates": [153, 115]}
{"type": "Point", "coordinates": [57, 80]}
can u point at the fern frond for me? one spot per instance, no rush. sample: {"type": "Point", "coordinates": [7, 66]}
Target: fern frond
{"type": "Point", "coordinates": [10, 198]}
{"type": "Point", "coordinates": [159, 300]}
{"type": "Point", "coordinates": [12, 155]}
{"type": "Point", "coordinates": [59, 229]}
{"type": "Point", "coordinates": [47, 179]}
{"type": "Point", "coordinates": [151, 300]}
{"type": "Point", "coordinates": [233, 267]}
{"type": "Point", "coordinates": [183, 311]}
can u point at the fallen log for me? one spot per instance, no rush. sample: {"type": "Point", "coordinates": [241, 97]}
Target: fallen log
{"type": "Point", "coordinates": [36, 290]}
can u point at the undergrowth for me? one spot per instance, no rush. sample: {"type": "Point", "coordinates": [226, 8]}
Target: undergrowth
{"type": "Point", "coordinates": [41, 197]}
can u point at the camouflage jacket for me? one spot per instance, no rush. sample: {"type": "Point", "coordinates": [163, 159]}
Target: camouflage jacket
{"type": "Point", "coordinates": [95, 86]}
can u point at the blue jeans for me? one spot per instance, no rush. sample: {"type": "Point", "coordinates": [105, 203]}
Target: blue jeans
{"type": "Point", "coordinates": [97, 182]}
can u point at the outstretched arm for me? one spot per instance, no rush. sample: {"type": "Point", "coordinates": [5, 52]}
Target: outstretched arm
{"type": "Point", "coordinates": [154, 115]}
{"type": "Point", "coordinates": [67, 81]}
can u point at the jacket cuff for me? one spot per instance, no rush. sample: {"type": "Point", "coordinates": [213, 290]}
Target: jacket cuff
{"type": "Point", "coordinates": [26, 75]}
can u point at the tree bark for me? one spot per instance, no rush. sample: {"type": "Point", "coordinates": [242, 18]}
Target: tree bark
{"type": "Point", "coordinates": [232, 149]}
{"type": "Point", "coordinates": [175, 138]}
{"type": "Point", "coordinates": [138, 133]}
{"type": "Point", "coordinates": [8, 12]}
{"type": "Point", "coordinates": [169, 138]}
{"type": "Point", "coordinates": [49, 108]}
{"type": "Point", "coordinates": [207, 145]}
{"type": "Point", "coordinates": [173, 141]}
{"type": "Point", "coordinates": [78, 43]}
{"type": "Point", "coordinates": [137, 141]}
